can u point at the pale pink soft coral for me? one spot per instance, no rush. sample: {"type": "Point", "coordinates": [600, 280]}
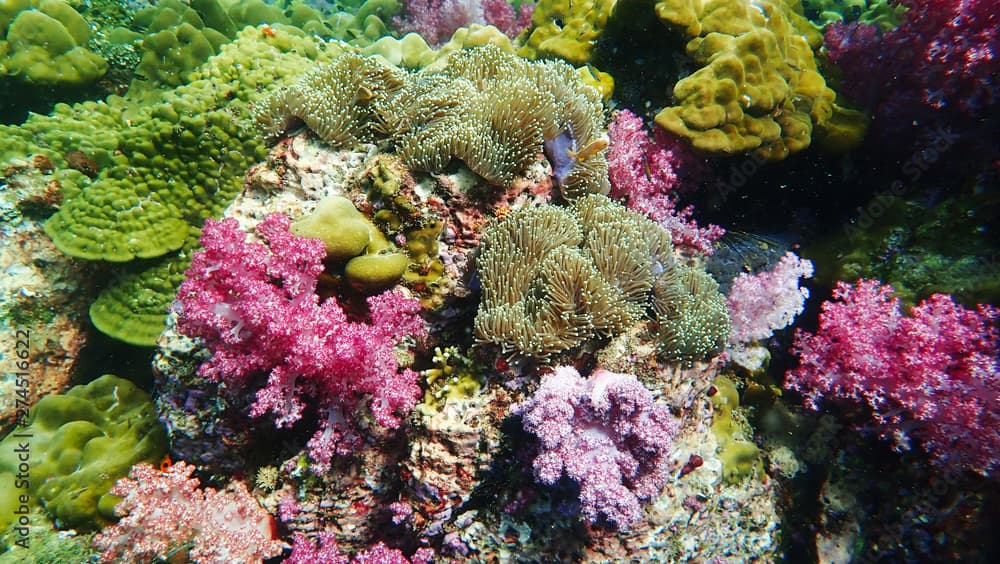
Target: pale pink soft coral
{"type": "Point", "coordinates": [933, 377]}
{"type": "Point", "coordinates": [437, 20]}
{"type": "Point", "coordinates": [164, 512]}
{"type": "Point", "coordinates": [644, 173]}
{"type": "Point", "coordinates": [607, 434]}
{"type": "Point", "coordinates": [255, 307]}
{"type": "Point", "coordinates": [760, 304]}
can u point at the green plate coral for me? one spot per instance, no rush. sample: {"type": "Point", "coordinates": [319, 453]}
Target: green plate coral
{"type": "Point", "coordinates": [160, 168]}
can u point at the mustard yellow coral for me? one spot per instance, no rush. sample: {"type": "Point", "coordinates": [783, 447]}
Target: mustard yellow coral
{"type": "Point", "coordinates": [758, 88]}
{"type": "Point", "coordinates": [566, 29]}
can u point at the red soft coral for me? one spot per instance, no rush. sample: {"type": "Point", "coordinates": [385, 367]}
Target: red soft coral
{"type": "Point", "coordinates": [644, 173]}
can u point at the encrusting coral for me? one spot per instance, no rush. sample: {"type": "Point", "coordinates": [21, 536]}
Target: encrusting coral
{"type": "Point", "coordinates": [487, 108]}
{"type": "Point", "coordinates": [565, 29]}
{"type": "Point", "coordinates": [556, 278]}
{"type": "Point", "coordinates": [81, 442]}
{"type": "Point", "coordinates": [44, 42]}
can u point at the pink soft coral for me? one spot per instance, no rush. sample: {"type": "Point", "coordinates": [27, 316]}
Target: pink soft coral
{"type": "Point", "coordinates": [164, 512]}
{"type": "Point", "coordinates": [644, 173]}
{"type": "Point", "coordinates": [255, 307]}
{"type": "Point", "coordinates": [437, 20]}
{"type": "Point", "coordinates": [607, 434]}
{"type": "Point", "coordinates": [945, 55]}
{"type": "Point", "coordinates": [933, 376]}
{"type": "Point", "coordinates": [763, 303]}
{"type": "Point", "coordinates": [326, 551]}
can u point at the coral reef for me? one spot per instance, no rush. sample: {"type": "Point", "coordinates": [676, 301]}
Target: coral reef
{"type": "Point", "coordinates": [433, 294]}
{"type": "Point", "coordinates": [162, 169]}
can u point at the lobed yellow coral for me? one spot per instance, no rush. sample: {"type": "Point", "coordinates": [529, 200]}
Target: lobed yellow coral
{"type": "Point", "coordinates": [565, 29]}
{"type": "Point", "coordinates": [758, 88]}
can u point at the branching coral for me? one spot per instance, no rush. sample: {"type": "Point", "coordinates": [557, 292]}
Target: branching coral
{"type": "Point", "coordinates": [165, 515]}
{"type": "Point", "coordinates": [487, 108]}
{"type": "Point", "coordinates": [644, 173]}
{"type": "Point", "coordinates": [932, 376]}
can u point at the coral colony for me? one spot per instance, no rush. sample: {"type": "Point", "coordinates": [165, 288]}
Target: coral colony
{"type": "Point", "coordinates": [447, 281]}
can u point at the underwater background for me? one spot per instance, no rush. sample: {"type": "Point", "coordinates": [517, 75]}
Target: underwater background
{"type": "Point", "coordinates": [409, 281]}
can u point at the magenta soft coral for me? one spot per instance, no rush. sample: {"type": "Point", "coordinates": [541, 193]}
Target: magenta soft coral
{"type": "Point", "coordinates": [607, 434]}
{"type": "Point", "coordinates": [326, 551]}
{"type": "Point", "coordinates": [945, 55]}
{"type": "Point", "coordinates": [644, 173]}
{"type": "Point", "coordinates": [164, 512]}
{"type": "Point", "coordinates": [255, 307]}
{"type": "Point", "coordinates": [933, 377]}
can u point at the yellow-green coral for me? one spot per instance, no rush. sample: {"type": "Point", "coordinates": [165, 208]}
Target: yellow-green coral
{"type": "Point", "coordinates": [44, 42]}
{"type": "Point", "coordinates": [740, 457]}
{"type": "Point", "coordinates": [758, 88]}
{"type": "Point", "coordinates": [693, 316]}
{"type": "Point", "coordinates": [371, 263]}
{"type": "Point", "coordinates": [883, 13]}
{"type": "Point", "coordinates": [565, 29]}
{"type": "Point", "coordinates": [164, 165]}
{"type": "Point", "coordinates": [79, 443]}
{"type": "Point", "coordinates": [412, 52]}
{"type": "Point", "coordinates": [178, 36]}
{"type": "Point", "coordinates": [453, 377]}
